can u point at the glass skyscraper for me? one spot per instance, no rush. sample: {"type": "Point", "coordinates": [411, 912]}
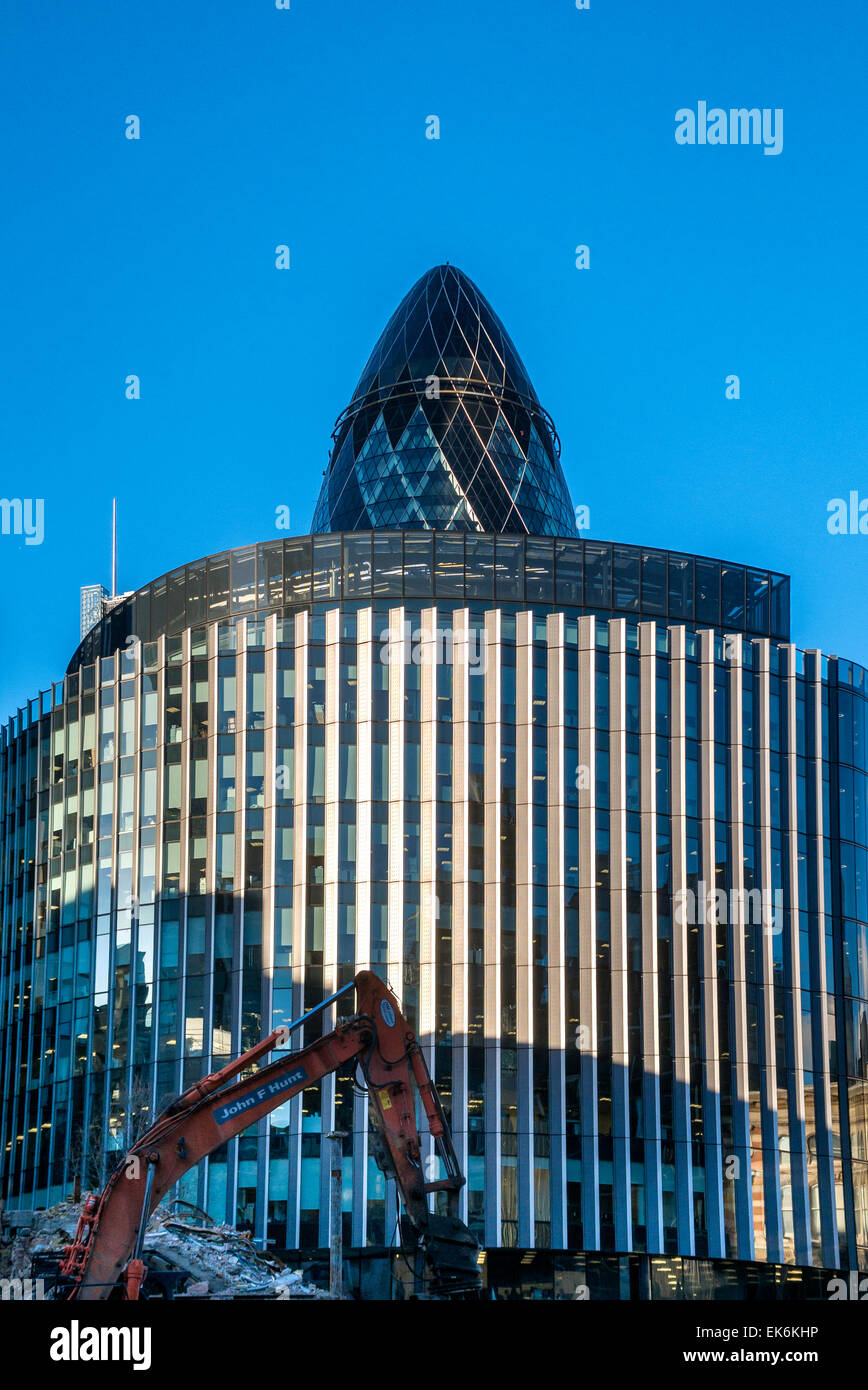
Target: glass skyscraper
{"type": "Point", "coordinates": [589, 810]}
{"type": "Point", "coordinates": [444, 430]}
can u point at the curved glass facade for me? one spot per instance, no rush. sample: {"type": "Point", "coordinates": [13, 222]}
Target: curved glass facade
{"type": "Point", "coordinates": [618, 874]}
{"type": "Point", "coordinates": [444, 429]}
{"type": "Point", "coordinates": [359, 567]}
{"type": "Point", "coordinates": [600, 825]}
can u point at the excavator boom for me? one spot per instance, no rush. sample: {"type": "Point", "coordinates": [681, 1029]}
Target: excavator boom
{"type": "Point", "coordinates": [108, 1241]}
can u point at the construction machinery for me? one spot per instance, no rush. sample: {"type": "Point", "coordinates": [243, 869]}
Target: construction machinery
{"type": "Point", "coordinates": [107, 1247]}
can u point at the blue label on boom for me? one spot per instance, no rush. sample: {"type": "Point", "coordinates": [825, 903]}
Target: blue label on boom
{"type": "Point", "coordinates": [262, 1093]}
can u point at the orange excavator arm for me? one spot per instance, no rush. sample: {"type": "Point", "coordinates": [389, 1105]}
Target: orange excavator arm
{"type": "Point", "coordinates": [110, 1231]}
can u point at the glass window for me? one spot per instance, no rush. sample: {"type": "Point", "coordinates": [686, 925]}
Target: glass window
{"type": "Point", "coordinates": [271, 575]}
{"type": "Point", "coordinates": [326, 567]}
{"type": "Point", "coordinates": [539, 570]}
{"type": "Point", "coordinates": [733, 596]}
{"type": "Point", "coordinates": [757, 600]}
{"type": "Point", "coordinates": [568, 558]}
{"type": "Point", "coordinates": [708, 592]}
{"type": "Point", "coordinates": [243, 580]}
{"type": "Point", "coordinates": [218, 589]}
{"type": "Point", "coordinates": [150, 711]}
{"type": "Point", "coordinates": [598, 575]}
{"type": "Point", "coordinates": [285, 682]}
{"type": "Point", "coordinates": [140, 614]}
{"type": "Point", "coordinates": [177, 602]}
{"type": "Point", "coordinates": [226, 708]}
{"type": "Point", "coordinates": [449, 566]}
{"type": "Point", "coordinates": [653, 581]}
{"type": "Point", "coordinates": [417, 565]}
{"type": "Point", "coordinates": [226, 774]}
{"type": "Point", "coordinates": [357, 565]}
{"type": "Point", "coordinates": [479, 576]}
{"type": "Point", "coordinates": [509, 567]}
{"type": "Point", "coordinates": [780, 615]}
{"type": "Point", "coordinates": [297, 570]}
{"type": "Point", "coordinates": [625, 579]}
{"type": "Point", "coordinates": [388, 564]}
{"type": "Point", "coordinates": [256, 691]}
{"type": "Point", "coordinates": [681, 587]}
{"type": "Point", "coordinates": [158, 608]}
{"type": "Point", "coordinates": [196, 593]}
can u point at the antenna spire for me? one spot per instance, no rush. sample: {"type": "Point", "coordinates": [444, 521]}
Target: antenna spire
{"type": "Point", "coordinates": [114, 547]}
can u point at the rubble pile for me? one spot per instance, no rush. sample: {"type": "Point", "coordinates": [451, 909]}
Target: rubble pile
{"type": "Point", "coordinates": [220, 1261]}
{"type": "Point", "coordinates": [36, 1233]}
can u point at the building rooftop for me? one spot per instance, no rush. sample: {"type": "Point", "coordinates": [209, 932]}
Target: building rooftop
{"type": "Point", "coordinates": [444, 429]}
{"type": "Point", "coordinates": [451, 569]}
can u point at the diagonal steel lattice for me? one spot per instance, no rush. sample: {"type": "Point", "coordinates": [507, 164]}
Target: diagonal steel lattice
{"type": "Point", "coordinates": [445, 430]}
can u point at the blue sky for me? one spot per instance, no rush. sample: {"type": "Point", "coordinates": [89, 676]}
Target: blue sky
{"type": "Point", "coordinates": [307, 127]}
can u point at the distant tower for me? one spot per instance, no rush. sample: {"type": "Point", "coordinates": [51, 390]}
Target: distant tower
{"type": "Point", "coordinates": [96, 600]}
{"type": "Point", "coordinates": [444, 430]}
{"type": "Point", "coordinates": [114, 546]}
{"type": "Point", "coordinates": [93, 598]}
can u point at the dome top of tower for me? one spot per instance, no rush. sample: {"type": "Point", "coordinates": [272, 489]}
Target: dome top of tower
{"type": "Point", "coordinates": [444, 429]}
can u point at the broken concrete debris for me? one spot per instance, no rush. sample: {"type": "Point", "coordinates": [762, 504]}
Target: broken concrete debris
{"type": "Point", "coordinates": [218, 1261]}
{"type": "Point", "coordinates": [224, 1259]}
